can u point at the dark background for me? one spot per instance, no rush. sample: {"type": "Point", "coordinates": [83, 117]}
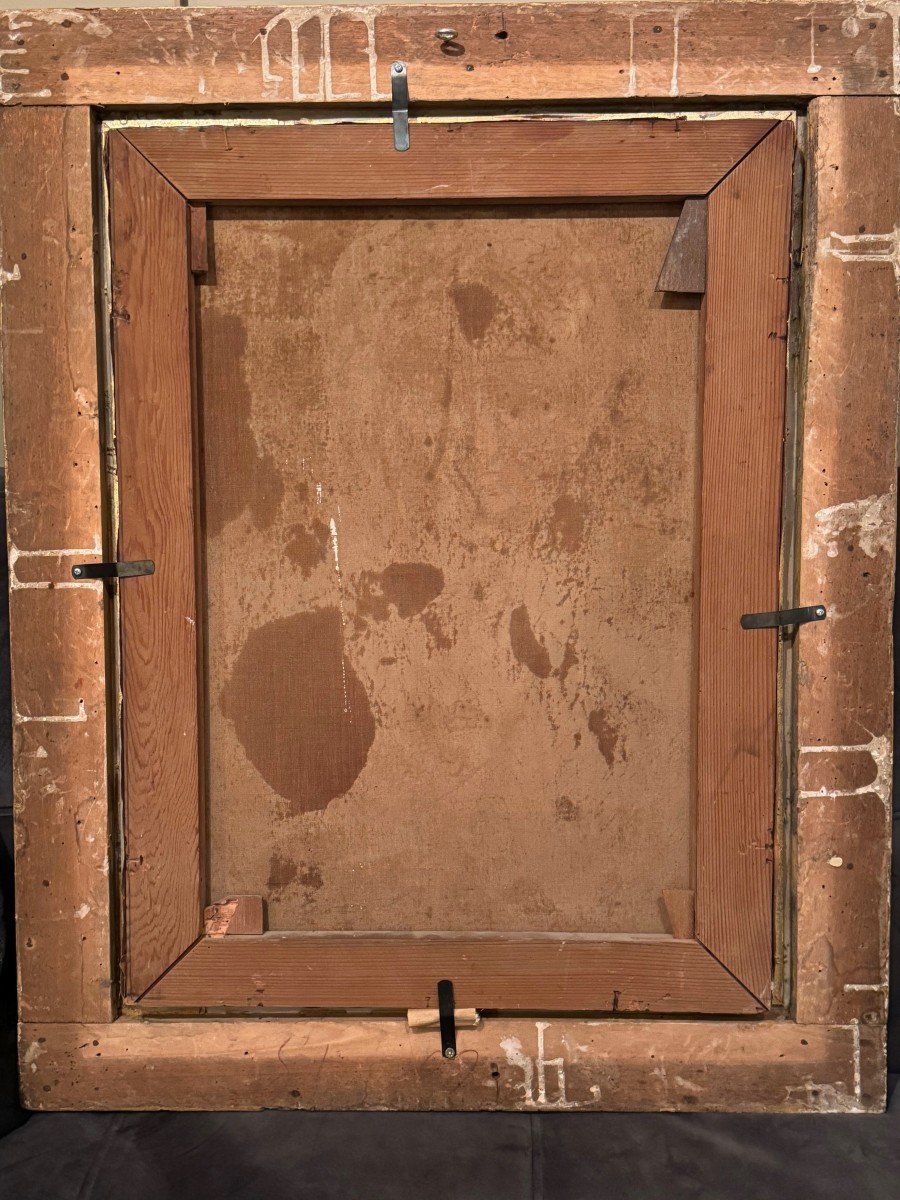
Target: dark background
{"type": "Point", "coordinates": [426, 1156]}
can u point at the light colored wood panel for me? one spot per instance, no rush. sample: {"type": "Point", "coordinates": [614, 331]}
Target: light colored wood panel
{"type": "Point", "coordinates": [508, 1063]}
{"type": "Point", "coordinates": [48, 331]}
{"type": "Point", "coordinates": [743, 428]}
{"type": "Point", "coordinates": [240, 915]}
{"type": "Point", "coordinates": [62, 855]}
{"type": "Point", "coordinates": [49, 387]}
{"type": "Point", "coordinates": [50, 4]}
{"type": "Point", "coordinates": [430, 1018]}
{"type": "Point", "coordinates": [152, 358]}
{"type": "Point", "coordinates": [843, 873]}
{"type": "Point", "coordinates": [552, 51]}
{"type": "Point", "coordinates": [565, 973]}
{"type": "Point", "coordinates": [451, 685]}
{"type": "Point", "coordinates": [847, 558]}
{"type": "Point", "coordinates": [486, 160]}
{"type": "Point", "coordinates": [57, 652]}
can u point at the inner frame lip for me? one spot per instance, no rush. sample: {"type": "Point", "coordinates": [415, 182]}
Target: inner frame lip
{"type": "Point", "coordinates": [443, 113]}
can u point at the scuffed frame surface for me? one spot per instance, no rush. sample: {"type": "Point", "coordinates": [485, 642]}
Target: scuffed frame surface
{"type": "Point", "coordinates": [335, 54]}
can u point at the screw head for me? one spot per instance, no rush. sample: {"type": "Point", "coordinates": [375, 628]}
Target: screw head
{"type": "Point", "coordinates": [76, 571]}
{"type": "Point", "coordinates": [820, 612]}
{"type": "Point", "coordinates": [449, 1052]}
{"type": "Point", "coordinates": [397, 68]}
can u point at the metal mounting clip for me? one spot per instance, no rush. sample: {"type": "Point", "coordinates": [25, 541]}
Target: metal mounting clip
{"type": "Point", "coordinates": [113, 570]}
{"type": "Point", "coordinates": [784, 616]}
{"type": "Point", "coordinates": [447, 1015]}
{"type": "Point", "coordinates": [400, 105]}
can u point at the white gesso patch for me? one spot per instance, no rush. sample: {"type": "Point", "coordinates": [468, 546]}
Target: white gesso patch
{"type": "Point", "coordinates": [332, 526]}
{"type": "Point", "coordinates": [879, 749]}
{"type": "Point", "coordinates": [534, 1070]}
{"type": "Point", "coordinates": [31, 1055]}
{"type": "Point", "coordinates": [293, 20]}
{"type": "Point", "coordinates": [868, 524]}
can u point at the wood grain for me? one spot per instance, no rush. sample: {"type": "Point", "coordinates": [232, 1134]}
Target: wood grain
{"type": "Point", "coordinates": [507, 1063]}
{"type": "Point", "coordinates": [152, 357]}
{"type": "Point", "coordinates": [486, 160]}
{"type": "Point", "coordinates": [679, 906]}
{"type": "Point", "coordinates": [685, 267]}
{"type": "Point", "coordinates": [616, 51]}
{"type": "Point", "coordinates": [400, 971]}
{"type": "Point", "coordinates": [847, 540]}
{"type": "Point", "coordinates": [48, 345]}
{"type": "Point", "coordinates": [743, 425]}
{"type": "Point", "coordinates": [48, 332]}
{"type": "Point", "coordinates": [198, 239]}
{"type": "Point", "coordinates": [235, 916]}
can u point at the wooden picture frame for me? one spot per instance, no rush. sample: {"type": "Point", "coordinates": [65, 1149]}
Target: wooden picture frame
{"type": "Point", "coordinates": [818, 1044]}
{"type": "Point", "coordinates": [158, 179]}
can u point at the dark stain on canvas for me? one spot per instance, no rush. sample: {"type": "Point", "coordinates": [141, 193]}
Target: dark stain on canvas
{"type": "Point", "coordinates": [439, 638]}
{"type": "Point", "coordinates": [566, 524]}
{"type": "Point", "coordinates": [569, 659]}
{"type": "Point", "coordinates": [238, 476]}
{"type": "Point", "coordinates": [476, 307]}
{"type": "Point", "coordinates": [525, 646]}
{"type": "Point", "coordinates": [300, 710]}
{"type": "Point", "coordinates": [306, 548]}
{"type": "Point", "coordinates": [409, 587]}
{"type": "Point", "coordinates": [282, 873]}
{"type": "Point", "coordinates": [606, 734]}
{"type": "Point", "coordinates": [310, 877]}
{"type": "Point", "coordinates": [567, 809]}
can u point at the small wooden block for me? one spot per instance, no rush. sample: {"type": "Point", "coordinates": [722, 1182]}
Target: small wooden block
{"type": "Point", "coordinates": [429, 1018]}
{"type": "Point", "coordinates": [237, 915]}
{"type": "Point", "coordinates": [198, 242]}
{"type": "Point", "coordinates": [679, 906]}
{"type": "Point", "coordinates": [685, 267]}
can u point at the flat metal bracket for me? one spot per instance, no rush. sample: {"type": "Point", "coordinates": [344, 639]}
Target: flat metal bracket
{"type": "Point", "coordinates": [784, 616]}
{"type": "Point", "coordinates": [447, 1015]}
{"type": "Point", "coordinates": [400, 105]}
{"type": "Point", "coordinates": [113, 570]}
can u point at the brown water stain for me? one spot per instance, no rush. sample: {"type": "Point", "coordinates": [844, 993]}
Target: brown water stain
{"type": "Point", "coordinates": [569, 659]}
{"type": "Point", "coordinates": [410, 587]}
{"type": "Point", "coordinates": [307, 547]}
{"type": "Point", "coordinates": [566, 524]}
{"type": "Point", "coordinates": [617, 402]}
{"type": "Point", "coordinates": [525, 646]}
{"type": "Point", "coordinates": [446, 403]}
{"type": "Point", "coordinates": [282, 873]}
{"type": "Point", "coordinates": [310, 877]}
{"type": "Point", "coordinates": [438, 637]}
{"type": "Point", "coordinates": [299, 709]}
{"type": "Point", "coordinates": [476, 307]}
{"type": "Point", "coordinates": [567, 810]}
{"type": "Point", "coordinates": [606, 734]}
{"type": "Point", "coordinates": [237, 475]}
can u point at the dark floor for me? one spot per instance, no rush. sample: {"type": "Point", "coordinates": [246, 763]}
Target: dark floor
{"type": "Point", "coordinates": [402, 1156]}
